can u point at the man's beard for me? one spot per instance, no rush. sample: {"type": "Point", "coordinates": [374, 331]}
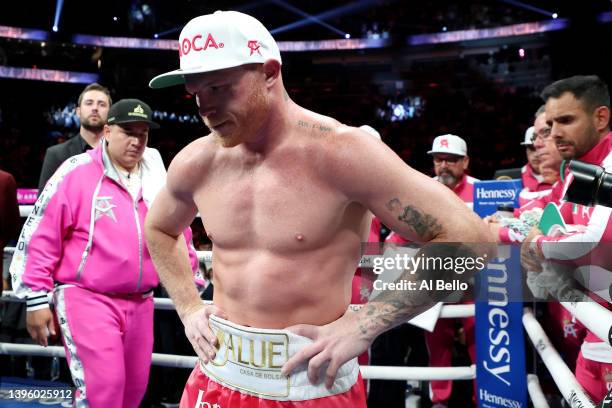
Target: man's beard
{"type": "Point", "coordinates": [92, 128]}
{"type": "Point", "coordinates": [447, 178]}
{"type": "Point", "coordinates": [249, 121]}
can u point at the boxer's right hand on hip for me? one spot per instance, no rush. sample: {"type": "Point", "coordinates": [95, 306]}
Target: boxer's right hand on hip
{"type": "Point", "coordinates": [201, 337]}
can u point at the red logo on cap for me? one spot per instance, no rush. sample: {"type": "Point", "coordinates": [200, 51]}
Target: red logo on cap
{"type": "Point", "coordinates": [254, 46]}
{"type": "Point", "coordinates": [444, 143]}
{"type": "Point", "coordinates": [195, 44]}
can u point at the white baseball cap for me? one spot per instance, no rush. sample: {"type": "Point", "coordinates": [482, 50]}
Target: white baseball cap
{"type": "Point", "coordinates": [528, 137]}
{"type": "Point", "coordinates": [450, 144]}
{"type": "Point", "coordinates": [224, 39]}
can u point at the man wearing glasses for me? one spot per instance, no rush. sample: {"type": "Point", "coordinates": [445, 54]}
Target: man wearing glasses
{"type": "Point", "coordinates": [450, 163]}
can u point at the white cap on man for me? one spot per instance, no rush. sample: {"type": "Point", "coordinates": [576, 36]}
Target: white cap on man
{"type": "Point", "coordinates": [451, 144]}
{"type": "Point", "coordinates": [224, 39]}
{"type": "Point", "coordinates": [528, 137]}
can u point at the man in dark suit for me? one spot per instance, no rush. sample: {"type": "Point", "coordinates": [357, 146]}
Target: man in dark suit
{"type": "Point", "coordinates": [92, 109]}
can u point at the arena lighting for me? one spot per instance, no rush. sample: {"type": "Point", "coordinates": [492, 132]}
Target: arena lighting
{"type": "Point", "coordinates": [58, 12]}
{"type": "Point", "coordinates": [555, 15]}
{"type": "Point", "coordinates": [521, 52]}
{"type": "Point", "coordinates": [528, 7]}
{"type": "Point", "coordinates": [307, 16]}
{"type": "Point", "coordinates": [336, 12]}
{"type": "Point", "coordinates": [163, 33]}
{"type": "Point", "coordinates": [347, 36]}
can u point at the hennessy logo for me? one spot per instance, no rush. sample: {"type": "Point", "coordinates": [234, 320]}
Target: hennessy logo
{"type": "Point", "coordinates": [195, 44]}
{"type": "Point", "coordinates": [249, 352]}
{"type": "Point", "coordinates": [254, 46]}
{"type": "Point", "coordinates": [204, 404]}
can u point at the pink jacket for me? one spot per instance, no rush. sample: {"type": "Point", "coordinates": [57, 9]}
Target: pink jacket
{"type": "Point", "coordinates": [86, 230]}
{"type": "Point", "coordinates": [589, 248]}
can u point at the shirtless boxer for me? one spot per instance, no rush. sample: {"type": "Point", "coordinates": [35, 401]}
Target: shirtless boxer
{"type": "Point", "coordinates": [284, 195]}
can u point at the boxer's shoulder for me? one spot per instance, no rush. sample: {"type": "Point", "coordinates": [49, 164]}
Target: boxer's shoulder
{"type": "Point", "coordinates": [314, 125]}
{"type": "Point", "coordinates": [192, 163]}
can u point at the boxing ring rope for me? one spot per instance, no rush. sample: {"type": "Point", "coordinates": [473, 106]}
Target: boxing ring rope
{"type": "Point", "coordinates": [594, 316]}
{"type": "Point", "coordinates": [366, 260]}
{"type": "Point", "coordinates": [367, 372]}
{"type": "Point", "coordinates": [535, 392]}
{"type": "Point", "coordinates": [561, 374]}
{"type": "Point", "coordinates": [448, 311]}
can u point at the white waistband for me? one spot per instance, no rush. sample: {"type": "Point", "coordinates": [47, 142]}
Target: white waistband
{"type": "Point", "coordinates": [249, 360]}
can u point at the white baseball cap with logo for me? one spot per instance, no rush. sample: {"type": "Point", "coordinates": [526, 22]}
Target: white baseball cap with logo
{"type": "Point", "coordinates": [450, 144]}
{"type": "Point", "coordinates": [224, 39]}
{"type": "Point", "coordinates": [528, 137]}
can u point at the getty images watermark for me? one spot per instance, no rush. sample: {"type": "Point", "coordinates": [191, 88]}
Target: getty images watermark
{"type": "Point", "coordinates": [389, 267]}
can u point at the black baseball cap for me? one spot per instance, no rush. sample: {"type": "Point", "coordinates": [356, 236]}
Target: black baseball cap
{"type": "Point", "coordinates": [129, 111]}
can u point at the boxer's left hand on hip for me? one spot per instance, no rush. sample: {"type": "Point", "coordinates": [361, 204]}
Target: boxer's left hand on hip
{"type": "Point", "coordinates": [333, 345]}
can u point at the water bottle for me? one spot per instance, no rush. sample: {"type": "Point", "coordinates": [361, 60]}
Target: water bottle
{"type": "Point", "coordinates": [55, 369]}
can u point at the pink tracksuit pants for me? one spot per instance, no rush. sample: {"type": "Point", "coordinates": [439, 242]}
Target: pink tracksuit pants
{"type": "Point", "coordinates": [109, 342]}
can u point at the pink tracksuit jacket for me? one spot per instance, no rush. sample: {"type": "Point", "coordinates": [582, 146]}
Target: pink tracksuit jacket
{"type": "Point", "coordinates": [102, 246]}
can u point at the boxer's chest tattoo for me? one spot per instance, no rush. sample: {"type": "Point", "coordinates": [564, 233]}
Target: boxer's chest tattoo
{"type": "Point", "coordinates": [316, 126]}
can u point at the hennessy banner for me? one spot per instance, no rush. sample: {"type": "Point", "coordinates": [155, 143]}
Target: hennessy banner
{"type": "Point", "coordinates": [500, 350]}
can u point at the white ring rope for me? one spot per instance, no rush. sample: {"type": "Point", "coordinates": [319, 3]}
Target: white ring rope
{"type": "Point", "coordinates": [448, 311]}
{"type": "Point", "coordinates": [365, 261]}
{"type": "Point", "coordinates": [418, 373]}
{"type": "Point", "coordinates": [368, 372]}
{"type": "Point", "coordinates": [165, 360]}
{"type": "Point", "coordinates": [535, 392]}
{"type": "Point", "coordinates": [561, 374]}
{"type": "Point", "coordinates": [594, 316]}
{"type": "Point", "coordinates": [25, 210]}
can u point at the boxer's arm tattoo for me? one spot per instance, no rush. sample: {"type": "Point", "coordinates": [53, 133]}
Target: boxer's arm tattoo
{"type": "Point", "coordinates": [425, 225]}
{"type": "Point", "coordinates": [392, 307]}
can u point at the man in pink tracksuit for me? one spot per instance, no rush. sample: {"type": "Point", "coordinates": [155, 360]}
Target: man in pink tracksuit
{"type": "Point", "coordinates": [84, 242]}
{"type": "Point", "coordinates": [578, 111]}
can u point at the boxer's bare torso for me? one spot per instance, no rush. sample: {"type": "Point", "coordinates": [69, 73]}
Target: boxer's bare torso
{"type": "Point", "coordinates": [284, 194]}
{"type": "Point", "coordinates": [286, 239]}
